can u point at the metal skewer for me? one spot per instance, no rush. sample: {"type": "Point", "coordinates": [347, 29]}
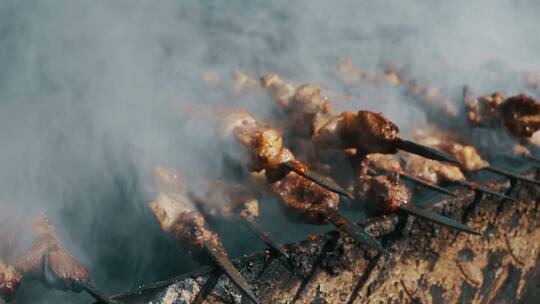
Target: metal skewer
{"type": "Point", "coordinates": [437, 218]}
{"type": "Point", "coordinates": [264, 236]}
{"type": "Point", "coordinates": [89, 288]}
{"type": "Point", "coordinates": [317, 178]}
{"type": "Point", "coordinates": [485, 190]}
{"type": "Point", "coordinates": [207, 287]}
{"type": "Point", "coordinates": [356, 232]}
{"type": "Point", "coordinates": [217, 253]}
{"type": "Point", "coordinates": [427, 185]}
{"type": "Point", "coordinates": [424, 151]}
{"type": "Point", "coordinates": [509, 174]}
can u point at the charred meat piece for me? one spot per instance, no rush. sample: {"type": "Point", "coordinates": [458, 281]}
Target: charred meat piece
{"type": "Point", "coordinates": [9, 281]}
{"type": "Point", "coordinates": [351, 74]}
{"type": "Point", "coordinates": [381, 162]}
{"type": "Point", "coordinates": [366, 131]}
{"type": "Point", "coordinates": [281, 91]}
{"type": "Point", "coordinates": [244, 84]}
{"type": "Point", "coordinates": [384, 193]}
{"type": "Point", "coordinates": [484, 110]}
{"type": "Point", "coordinates": [432, 171]}
{"type": "Point", "coordinates": [305, 197]}
{"type": "Point", "coordinates": [521, 115]}
{"type": "Point", "coordinates": [227, 199]}
{"type": "Point", "coordinates": [301, 105]}
{"type": "Point", "coordinates": [48, 261]}
{"type": "Point", "coordinates": [521, 150]}
{"type": "Point", "coordinates": [467, 155]}
{"type": "Point", "coordinates": [177, 214]}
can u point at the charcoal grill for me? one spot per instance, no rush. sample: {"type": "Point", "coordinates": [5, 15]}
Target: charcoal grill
{"type": "Point", "coordinates": [329, 268]}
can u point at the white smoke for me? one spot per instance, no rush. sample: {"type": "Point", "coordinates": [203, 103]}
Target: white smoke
{"type": "Point", "coordinates": [93, 92]}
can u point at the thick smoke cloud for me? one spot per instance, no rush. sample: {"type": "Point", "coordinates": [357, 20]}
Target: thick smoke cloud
{"type": "Point", "coordinates": [93, 92]}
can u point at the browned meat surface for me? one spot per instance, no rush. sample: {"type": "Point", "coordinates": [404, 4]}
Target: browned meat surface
{"type": "Point", "coordinates": [177, 213]}
{"type": "Point", "coordinates": [244, 84]}
{"type": "Point", "coordinates": [366, 131]}
{"type": "Point", "coordinates": [484, 110]}
{"type": "Point", "coordinates": [381, 162]}
{"type": "Point", "coordinates": [264, 145]}
{"type": "Point", "coordinates": [305, 197]}
{"type": "Point", "coordinates": [226, 199]}
{"type": "Point", "coordinates": [521, 150]}
{"type": "Point", "coordinates": [467, 155]}
{"type": "Point", "coordinates": [9, 281]}
{"type": "Point", "coordinates": [521, 115]}
{"type": "Point", "coordinates": [534, 139]}
{"type": "Point", "coordinates": [281, 91]}
{"type": "Point", "coordinates": [383, 192]}
{"type": "Point", "coordinates": [431, 171]}
{"type": "Point", "coordinates": [349, 73]}
{"type": "Point", "coordinates": [301, 105]}
{"type": "Point", "coordinates": [62, 271]}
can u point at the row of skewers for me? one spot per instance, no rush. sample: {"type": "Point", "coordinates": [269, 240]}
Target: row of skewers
{"type": "Point", "coordinates": [295, 158]}
{"type": "Point", "coordinates": [301, 177]}
{"type": "Point", "coordinates": [46, 260]}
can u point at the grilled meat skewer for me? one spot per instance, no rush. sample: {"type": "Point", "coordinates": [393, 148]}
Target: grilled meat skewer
{"type": "Point", "coordinates": [384, 163]}
{"type": "Point", "coordinates": [235, 202]}
{"type": "Point", "coordinates": [314, 198]}
{"type": "Point", "coordinates": [48, 262]}
{"type": "Point", "coordinates": [316, 205]}
{"type": "Point", "coordinates": [441, 173]}
{"type": "Point", "coordinates": [365, 131]}
{"type": "Point", "coordinates": [471, 161]}
{"type": "Point", "coordinates": [265, 149]}
{"type": "Point", "coordinates": [178, 216]}
{"type": "Point", "coordinates": [519, 114]}
{"type": "Point", "coordinates": [386, 194]}
{"type": "Point", "coordinates": [9, 281]}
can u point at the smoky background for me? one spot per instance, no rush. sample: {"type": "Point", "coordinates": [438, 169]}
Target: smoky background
{"type": "Point", "coordinates": [93, 93]}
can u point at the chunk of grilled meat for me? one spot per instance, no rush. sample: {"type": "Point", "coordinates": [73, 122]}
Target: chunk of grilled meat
{"type": "Point", "coordinates": [467, 155]}
{"type": "Point", "coordinates": [380, 162]}
{"type": "Point", "coordinates": [483, 110]}
{"type": "Point", "coordinates": [177, 214]}
{"type": "Point", "coordinates": [227, 199]}
{"type": "Point", "coordinates": [351, 74]}
{"type": "Point", "coordinates": [365, 131]}
{"type": "Point", "coordinates": [281, 91]}
{"type": "Point", "coordinates": [383, 193]}
{"type": "Point", "coordinates": [301, 105]}
{"type": "Point", "coordinates": [264, 145]}
{"type": "Point", "coordinates": [9, 281]}
{"type": "Point", "coordinates": [48, 261]}
{"type": "Point", "coordinates": [244, 84]}
{"type": "Point", "coordinates": [304, 197]}
{"type": "Point", "coordinates": [521, 115]}
{"type": "Point", "coordinates": [432, 171]}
